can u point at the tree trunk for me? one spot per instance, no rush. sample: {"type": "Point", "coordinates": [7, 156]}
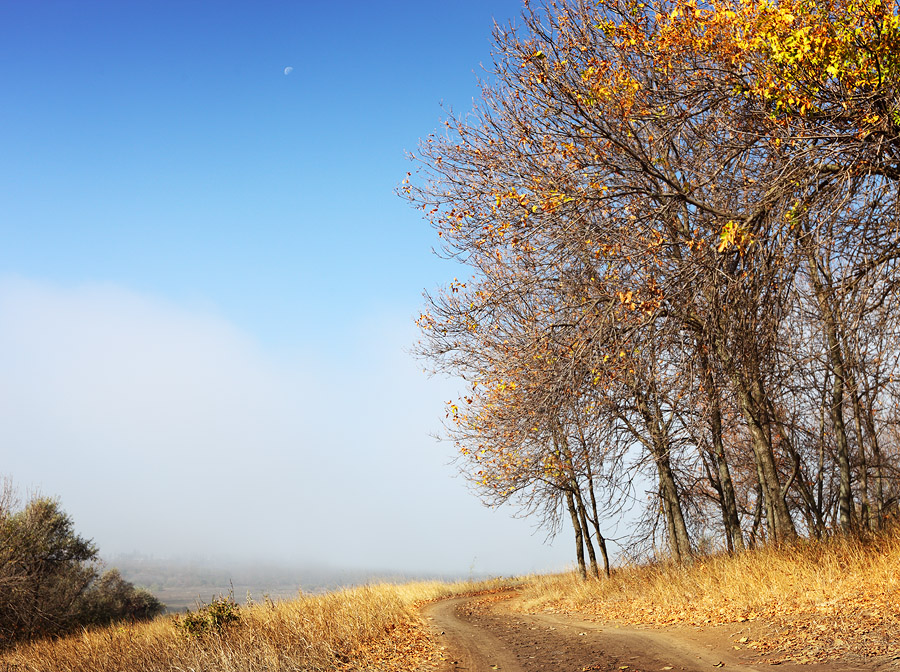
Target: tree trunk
{"type": "Point", "coordinates": [729, 501]}
{"type": "Point", "coordinates": [757, 514]}
{"type": "Point", "coordinates": [778, 517]}
{"type": "Point", "coordinates": [583, 519]}
{"type": "Point", "coordinates": [845, 496]}
{"type": "Point", "coordinates": [579, 540]}
{"type": "Point", "coordinates": [574, 490]}
{"type": "Point", "coordinates": [867, 511]}
{"type": "Point", "coordinates": [815, 519]}
{"type": "Point", "coordinates": [753, 404]}
{"type": "Point", "coordinates": [679, 539]}
{"type": "Point", "coordinates": [868, 414]}
{"type": "Point", "coordinates": [824, 292]}
{"type": "Point", "coordinates": [601, 540]}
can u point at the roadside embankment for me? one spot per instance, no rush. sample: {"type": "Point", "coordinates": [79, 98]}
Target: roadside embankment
{"type": "Point", "coordinates": [812, 601]}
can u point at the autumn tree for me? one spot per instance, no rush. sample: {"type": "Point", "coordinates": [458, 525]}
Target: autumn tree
{"type": "Point", "coordinates": [677, 217]}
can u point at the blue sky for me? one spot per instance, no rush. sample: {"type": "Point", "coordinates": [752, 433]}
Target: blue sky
{"type": "Point", "coordinates": [160, 145]}
{"type": "Point", "coordinates": [207, 282]}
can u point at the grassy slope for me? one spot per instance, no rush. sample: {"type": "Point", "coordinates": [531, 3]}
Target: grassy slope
{"type": "Point", "coordinates": [825, 599]}
{"type": "Point", "coordinates": [811, 601]}
{"type": "Point", "coordinates": [370, 627]}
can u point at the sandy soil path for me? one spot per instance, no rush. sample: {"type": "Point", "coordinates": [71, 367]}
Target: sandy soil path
{"type": "Point", "coordinates": [478, 637]}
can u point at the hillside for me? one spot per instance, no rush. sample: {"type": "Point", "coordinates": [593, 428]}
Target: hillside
{"type": "Point", "coordinates": [820, 606]}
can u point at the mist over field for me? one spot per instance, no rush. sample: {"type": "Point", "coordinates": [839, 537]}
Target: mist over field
{"type": "Point", "coordinates": [209, 286]}
{"type": "Point", "coordinates": [169, 432]}
{"type": "Point", "coordinates": [184, 583]}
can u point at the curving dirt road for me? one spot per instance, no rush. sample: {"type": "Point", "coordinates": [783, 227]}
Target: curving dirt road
{"type": "Point", "coordinates": [480, 637]}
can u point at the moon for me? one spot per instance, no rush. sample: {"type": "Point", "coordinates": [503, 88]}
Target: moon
{"type": "Point", "coordinates": [288, 70]}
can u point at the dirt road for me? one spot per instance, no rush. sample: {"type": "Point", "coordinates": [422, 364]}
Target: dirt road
{"type": "Point", "coordinates": [484, 637]}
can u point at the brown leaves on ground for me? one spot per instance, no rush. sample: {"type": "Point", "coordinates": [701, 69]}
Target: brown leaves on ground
{"type": "Point", "coordinates": [404, 647]}
{"type": "Point", "coordinates": [810, 602]}
{"type": "Point", "coordinates": [810, 637]}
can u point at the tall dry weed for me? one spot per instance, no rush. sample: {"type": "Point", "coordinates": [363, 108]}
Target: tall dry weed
{"type": "Point", "coordinates": [823, 598]}
{"type": "Point", "coordinates": [372, 627]}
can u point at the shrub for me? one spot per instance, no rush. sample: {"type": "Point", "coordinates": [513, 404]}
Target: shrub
{"type": "Point", "coordinates": [49, 576]}
{"type": "Point", "coordinates": [44, 569]}
{"type": "Point", "coordinates": [112, 598]}
{"type": "Point", "coordinates": [212, 618]}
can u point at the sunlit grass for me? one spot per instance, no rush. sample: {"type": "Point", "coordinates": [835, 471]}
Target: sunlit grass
{"type": "Point", "coordinates": [373, 627]}
{"type": "Point", "coordinates": [825, 598]}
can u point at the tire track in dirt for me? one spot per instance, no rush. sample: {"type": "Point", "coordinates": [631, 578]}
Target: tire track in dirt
{"type": "Point", "coordinates": [469, 644]}
{"type": "Point", "coordinates": [492, 637]}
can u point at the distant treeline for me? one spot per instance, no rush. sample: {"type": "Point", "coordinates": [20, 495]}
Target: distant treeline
{"type": "Point", "coordinates": [183, 583]}
{"type": "Point", "coordinates": [50, 578]}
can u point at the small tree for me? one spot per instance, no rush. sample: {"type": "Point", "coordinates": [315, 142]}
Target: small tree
{"type": "Point", "coordinates": [44, 567]}
{"type": "Point", "coordinates": [111, 598]}
{"type": "Point", "coordinates": [49, 577]}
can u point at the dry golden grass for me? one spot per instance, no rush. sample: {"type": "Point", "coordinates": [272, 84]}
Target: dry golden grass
{"type": "Point", "coordinates": [823, 600]}
{"type": "Point", "coordinates": [372, 627]}
{"type": "Point", "coordinates": [811, 601]}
